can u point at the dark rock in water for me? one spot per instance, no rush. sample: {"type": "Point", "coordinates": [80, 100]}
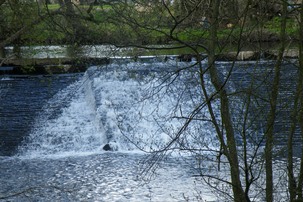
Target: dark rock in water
{"type": "Point", "coordinates": [107, 147]}
{"type": "Point", "coordinates": [111, 146]}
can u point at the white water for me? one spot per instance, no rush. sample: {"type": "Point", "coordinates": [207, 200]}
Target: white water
{"type": "Point", "coordinates": [132, 106]}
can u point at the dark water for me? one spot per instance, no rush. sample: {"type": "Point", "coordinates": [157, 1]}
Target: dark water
{"type": "Point", "coordinates": [21, 99]}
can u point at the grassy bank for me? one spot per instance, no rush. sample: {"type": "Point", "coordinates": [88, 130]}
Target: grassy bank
{"type": "Point", "coordinates": [102, 26]}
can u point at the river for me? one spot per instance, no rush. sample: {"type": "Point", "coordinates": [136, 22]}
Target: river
{"type": "Point", "coordinates": [54, 128]}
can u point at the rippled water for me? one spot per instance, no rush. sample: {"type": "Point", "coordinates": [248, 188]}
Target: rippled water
{"type": "Point", "coordinates": [53, 130]}
{"type": "Point", "coordinates": [21, 100]}
{"type": "Point", "coordinates": [99, 177]}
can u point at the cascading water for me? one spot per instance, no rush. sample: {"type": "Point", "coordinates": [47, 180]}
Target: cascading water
{"type": "Point", "coordinates": [68, 123]}
{"type": "Point", "coordinates": [131, 106]}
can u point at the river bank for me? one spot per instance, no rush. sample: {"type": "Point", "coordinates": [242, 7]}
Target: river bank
{"type": "Point", "coordinates": [49, 65]}
{"type": "Point", "coordinates": [74, 64]}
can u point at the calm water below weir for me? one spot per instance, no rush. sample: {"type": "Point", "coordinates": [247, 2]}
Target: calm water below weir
{"type": "Point", "coordinates": [53, 130]}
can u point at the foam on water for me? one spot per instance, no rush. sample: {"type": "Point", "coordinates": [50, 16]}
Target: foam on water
{"type": "Point", "coordinates": [133, 106]}
{"type": "Point", "coordinates": [67, 124]}
{"type": "Point", "coordinates": [6, 79]}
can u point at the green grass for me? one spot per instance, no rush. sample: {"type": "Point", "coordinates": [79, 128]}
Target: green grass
{"type": "Point", "coordinates": [53, 6]}
{"type": "Point", "coordinates": [274, 25]}
{"type": "Point", "coordinates": [95, 7]}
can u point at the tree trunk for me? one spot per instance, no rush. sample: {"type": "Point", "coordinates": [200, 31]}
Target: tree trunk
{"type": "Point", "coordinates": [72, 19]}
{"type": "Point", "coordinates": [269, 134]}
{"type": "Point", "coordinates": [294, 188]}
{"type": "Point", "coordinates": [2, 52]}
{"type": "Point", "coordinates": [300, 180]}
{"type": "Point", "coordinates": [231, 153]}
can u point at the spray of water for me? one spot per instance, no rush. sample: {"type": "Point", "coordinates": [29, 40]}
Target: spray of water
{"type": "Point", "coordinates": [130, 106]}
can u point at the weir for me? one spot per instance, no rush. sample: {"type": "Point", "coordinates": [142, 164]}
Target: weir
{"type": "Point", "coordinates": [131, 106]}
{"type": "Point", "coordinates": [136, 106]}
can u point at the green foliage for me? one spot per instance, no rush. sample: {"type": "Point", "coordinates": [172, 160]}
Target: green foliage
{"type": "Point", "coordinates": [274, 26]}
{"type": "Point", "coordinates": [52, 6]}
{"type": "Point", "coordinates": [104, 24]}
{"type": "Point", "coordinates": [192, 34]}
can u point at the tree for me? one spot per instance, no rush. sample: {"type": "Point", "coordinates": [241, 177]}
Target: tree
{"type": "Point", "coordinates": [242, 157]}
{"type": "Point", "coordinates": [28, 23]}
{"type": "Point", "coordinates": [295, 184]}
{"type": "Point", "coordinates": [19, 17]}
{"type": "Point", "coordinates": [269, 135]}
{"type": "Point", "coordinates": [13, 20]}
{"type": "Point", "coordinates": [230, 147]}
{"type": "Point", "coordinates": [245, 165]}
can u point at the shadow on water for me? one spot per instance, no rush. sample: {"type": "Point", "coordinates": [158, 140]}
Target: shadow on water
{"type": "Point", "coordinates": [21, 100]}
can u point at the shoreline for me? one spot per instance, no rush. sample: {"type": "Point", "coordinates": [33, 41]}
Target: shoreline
{"type": "Point", "coordinates": [47, 66]}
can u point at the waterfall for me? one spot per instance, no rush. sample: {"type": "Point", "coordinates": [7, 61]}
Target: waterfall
{"type": "Point", "coordinates": [67, 124]}
{"type": "Point", "coordinates": [132, 106]}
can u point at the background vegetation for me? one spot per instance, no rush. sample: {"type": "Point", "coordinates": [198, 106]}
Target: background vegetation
{"type": "Point", "coordinates": [26, 23]}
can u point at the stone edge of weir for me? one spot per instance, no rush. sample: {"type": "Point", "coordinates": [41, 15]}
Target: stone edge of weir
{"type": "Point", "coordinates": [75, 65]}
